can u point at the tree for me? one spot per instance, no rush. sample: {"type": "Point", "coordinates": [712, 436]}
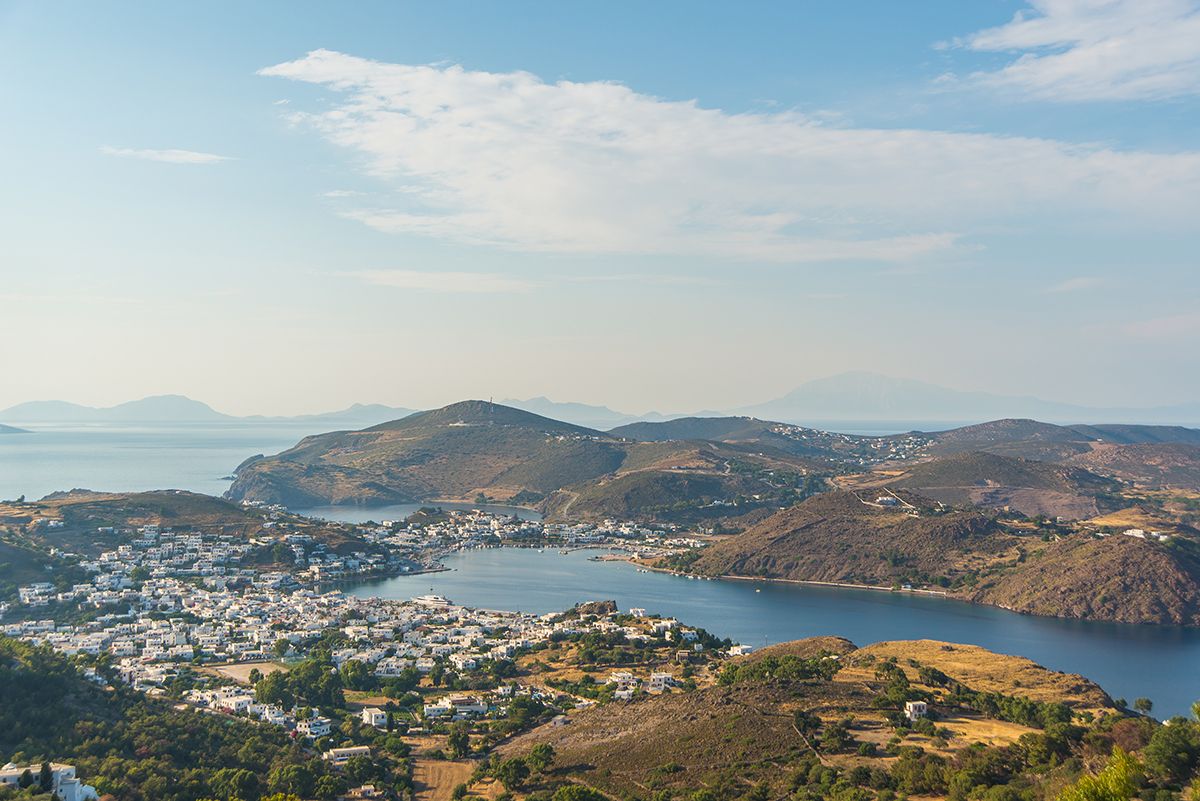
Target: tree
{"type": "Point", "coordinates": [294, 779]}
{"type": "Point", "coordinates": [1116, 782]}
{"type": "Point", "coordinates": [46, 777]}
{"type": "Point", "coordinates": [1174, 751]}
{"type": "Point", "coordinates": [574, 792]}
{"type": "Point", "coordinates": [357, 676]}
{"type": "Point", "coordinates": [281, 647]}
{"type": "Point", "coordinates": [541, 757]}
{"type": "Point", "coordinates": [459, 741]}
{"type": "Point", "coordinates": [26, 779]}
{"type": "Point", "coordinates": [512, 773]}
{"type": "Point", "coordinates": [1143, 705]}
{"type": "Point", "coordinates": [235, 783]}
{"type": "Point", "coordinates": [328, 788]}
{"type": "Point", "coordinates": [274, 688]}
{"type": "Point", "coordinates": [359, 769]}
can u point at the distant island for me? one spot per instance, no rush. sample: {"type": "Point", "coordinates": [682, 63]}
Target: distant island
{"type": "Point", "coordinates": [11, 430]}
{"type": "Point", "coordinates": [855, 399]}
{"type": "Point", "coordinates": [180, 409]}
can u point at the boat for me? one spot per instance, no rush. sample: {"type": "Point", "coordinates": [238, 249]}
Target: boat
{"type": "Point", "coordinates": [433, 600]}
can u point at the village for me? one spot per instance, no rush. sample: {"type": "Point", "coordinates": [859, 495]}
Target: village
{"type": "Point", "coordinates": [202, 618]}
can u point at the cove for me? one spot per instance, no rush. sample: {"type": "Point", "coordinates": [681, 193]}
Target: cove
{"type": "Point", "coordinates": [1158, 662]}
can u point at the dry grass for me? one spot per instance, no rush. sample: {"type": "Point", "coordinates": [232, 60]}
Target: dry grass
{"type": "Point", "coordinates": [435, 779]}
{"type": "Point", "coordinates": [986, 671]}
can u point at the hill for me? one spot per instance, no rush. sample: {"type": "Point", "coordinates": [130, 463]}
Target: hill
{"type": "Point", "coordinates": [837, 537]}
{"type": "Point", "coordinates": [1118, 578]}
{"type": "Point", "coordinates": [478, 448]}
{"type": "Point", "coordinates": [816, 719]}
{"type": "Point", "coordinates": [1167, 464]}
{"type": "Point", "coordinates": [126, 745]}
{"type": "Point", "coordinates": [11, 430]}
{"type": "Point", "coordinates": [1149, 455]}
{"type": "Point", "coordinates": [999, 482]}
{"type": "Point", "coordinates": [809, 443]}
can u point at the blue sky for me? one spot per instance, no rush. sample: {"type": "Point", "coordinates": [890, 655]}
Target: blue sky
{"type": "Point", "coordinates": [288, 207]}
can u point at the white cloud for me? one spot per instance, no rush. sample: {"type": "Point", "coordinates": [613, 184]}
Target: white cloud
{"type": "Point", "coordinates": [1079, 50]}
{"type": "Point", "coordinates": [168, 156]}
{"type": "Point", "coordinates": [1077, 284]}
{"type": "Point", "coordinates": [341, 193]}
{"type": "Point", "coordinates": [454, 282]}
{"type": "Point", "coordinates": [508, 160]}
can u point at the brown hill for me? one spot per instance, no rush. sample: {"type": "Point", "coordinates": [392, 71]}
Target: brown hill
{"type": "Point", "coordinates": [994, 481]}
{"type": "Point", "coordinates": [838, 537]}
{"type": "Point", "coordinates": [476, 447]}
{"type": "Point", "coordinates": [731, 737]}
{"type": "Point", "coordinates": [1119, 578]}
{"type": "Point", "coordinates": [1165, 464]}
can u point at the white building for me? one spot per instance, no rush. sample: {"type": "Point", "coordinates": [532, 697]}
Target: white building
{"type": "Point", "coordinates": [915, 710]}
{"type": "Point", "coordinates": [63, 783]}
{"type": "Point", "coordinates": [374, 716]}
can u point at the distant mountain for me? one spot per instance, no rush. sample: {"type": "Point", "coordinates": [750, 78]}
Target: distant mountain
{"type": "Point", "coordinates": [12, 430]}
{"type": "Point", "coordinates": [181, 409]}
{"type": "Point", "coordinates": [862, 396]}
{"type": "Point", "coordinates": [155, 409]}
{"type": "Point", "coordinates": [582, 414]}
{"type": "Point", "coordinates": [360, 415]}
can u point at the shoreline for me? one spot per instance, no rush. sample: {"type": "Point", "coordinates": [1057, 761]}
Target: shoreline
{"type": "Point", "coordinates": [807, 582]}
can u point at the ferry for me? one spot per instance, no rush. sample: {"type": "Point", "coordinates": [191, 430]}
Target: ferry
{"type": "Point", "coordinates": [433, 600]}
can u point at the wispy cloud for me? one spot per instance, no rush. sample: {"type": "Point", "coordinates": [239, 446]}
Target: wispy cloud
{"type": "Point", "coordinates": [168, 156]}
{"type": "Point", "coordinates": [452, 282]}
{"type": "Point", "coordinates": [1175, 326]}
{"type": "Point", "coordinates": [342, 193]}
{"type": "Point", "coordinates": [653, 279]}
{"type": "Point", "coordinates": [508, 160]}
{"type": "Point", "coordinates": [1077, 284]}
{"type": "Point", "coordinates": [1081, 50]}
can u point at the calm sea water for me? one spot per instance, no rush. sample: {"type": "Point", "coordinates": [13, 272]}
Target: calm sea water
{"type": "Point", "coordinates": [1161, 663]}
{"type": "Point", "coordinates": [129, 458]}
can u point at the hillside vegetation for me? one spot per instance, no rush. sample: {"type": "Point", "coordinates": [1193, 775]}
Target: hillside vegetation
{"type": "Point", "coordinates": [475, 448]}
{"type": "Point", "coordinates": [836, 537]}
{"type": "Point", "coordinates": [820, 718]}
{"type": "Point", "coordinates": [979, 478]}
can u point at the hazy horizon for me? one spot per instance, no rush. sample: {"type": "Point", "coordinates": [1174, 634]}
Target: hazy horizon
{"type": "Point", "coordinates": [283, 213]}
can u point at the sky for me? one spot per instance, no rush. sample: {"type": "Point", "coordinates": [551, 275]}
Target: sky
{"type": "Point", "coordinates": [283, 208]}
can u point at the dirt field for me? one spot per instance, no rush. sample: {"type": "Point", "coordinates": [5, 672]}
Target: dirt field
{"type": "Point", "coordinates": [435, 779]}
{"type": "Point", "coordinates": [241, 672]}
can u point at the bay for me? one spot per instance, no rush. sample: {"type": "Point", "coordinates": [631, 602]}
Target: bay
{"type": "Point", "coordinates": [1158, 662]}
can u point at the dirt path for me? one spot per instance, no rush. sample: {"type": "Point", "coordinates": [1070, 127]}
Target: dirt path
{"type": "Point", "coordinates": [435, 779]}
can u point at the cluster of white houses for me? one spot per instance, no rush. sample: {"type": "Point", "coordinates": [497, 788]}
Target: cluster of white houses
{"type": "Point", "coordinates": [62, 784]}
{"type": "Point", "coordinates": [170, 621]}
